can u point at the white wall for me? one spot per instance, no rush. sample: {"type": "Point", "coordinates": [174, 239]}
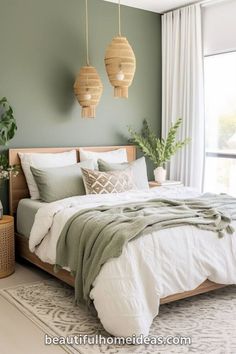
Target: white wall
{"type": "Point", "coordinates": [219, 27]}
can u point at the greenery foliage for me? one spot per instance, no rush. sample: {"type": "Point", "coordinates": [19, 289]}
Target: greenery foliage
{"type": "Point", "coordinates": [8, 128]}
{"type": "Point", "coordinates": [8, 125]}
{"type": "Point", "coordinates": [5, 169]}
{"type": "Point", "coordinates": [226, 129]}
{"type": "Point", "coordinates": [158, 150]}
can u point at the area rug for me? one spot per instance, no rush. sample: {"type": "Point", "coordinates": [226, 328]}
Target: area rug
{"type": "Point", "coordinates": [209, 319]}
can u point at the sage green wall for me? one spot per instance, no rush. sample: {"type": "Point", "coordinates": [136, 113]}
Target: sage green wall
{"type": "Point", "coordinates": [42, 47]}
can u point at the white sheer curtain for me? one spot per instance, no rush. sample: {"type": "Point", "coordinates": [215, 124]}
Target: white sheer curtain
{"type": "Point", "coordinates": [183, 91]}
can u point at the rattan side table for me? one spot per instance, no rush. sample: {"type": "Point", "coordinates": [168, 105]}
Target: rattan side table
{"type": "Point", "coordinates": [7, 246]}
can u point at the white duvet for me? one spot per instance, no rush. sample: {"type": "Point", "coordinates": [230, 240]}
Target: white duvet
{"type": "Point", "coordinates": [128, 289]}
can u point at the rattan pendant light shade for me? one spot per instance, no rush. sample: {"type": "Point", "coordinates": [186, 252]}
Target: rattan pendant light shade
{"type": "Point", "coordinates": [88, 86]}
{"type": "Point", "coordinates": [88, 90]}
{"type": "Point", "coordinates": [120, 63]}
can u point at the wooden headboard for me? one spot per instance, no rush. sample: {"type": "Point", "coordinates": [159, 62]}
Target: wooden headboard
{"type": "Point", "coordinates": [17, 185]}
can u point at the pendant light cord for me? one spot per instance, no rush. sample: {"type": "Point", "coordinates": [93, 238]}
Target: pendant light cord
{"type": "Point", "coordinates": [87, 38]}
{"type": "Point", "coordinates": [119, 19]}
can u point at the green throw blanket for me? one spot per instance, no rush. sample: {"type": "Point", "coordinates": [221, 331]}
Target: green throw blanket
{"type": "Point", "coordinates": [93, 236]}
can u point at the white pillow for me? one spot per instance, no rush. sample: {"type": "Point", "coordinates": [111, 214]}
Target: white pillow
{"type": "Point", "coordinates": [43, 160]}
{"type": "Point", "coordinates": [114, 156]}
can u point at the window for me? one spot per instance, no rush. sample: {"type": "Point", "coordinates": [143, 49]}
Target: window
{"type": "Point", "coordinates": [220, 101]}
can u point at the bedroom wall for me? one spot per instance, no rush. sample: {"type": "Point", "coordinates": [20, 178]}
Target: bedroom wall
{"type": "Point", "coordinates": [42, 48]}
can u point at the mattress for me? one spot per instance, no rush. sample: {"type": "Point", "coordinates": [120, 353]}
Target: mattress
{"type": "Point", "coordinates": [26, 211]}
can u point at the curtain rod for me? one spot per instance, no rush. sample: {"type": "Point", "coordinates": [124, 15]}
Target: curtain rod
{"type": "Point", "coordinates": [203, 3]}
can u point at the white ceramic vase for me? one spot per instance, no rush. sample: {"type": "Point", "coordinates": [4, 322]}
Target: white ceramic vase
{"type": "Point", "coordinates": [160, 174]}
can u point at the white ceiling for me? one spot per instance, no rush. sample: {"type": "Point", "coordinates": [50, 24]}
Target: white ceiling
{"type": "Point", "coordinates": [154, 5]}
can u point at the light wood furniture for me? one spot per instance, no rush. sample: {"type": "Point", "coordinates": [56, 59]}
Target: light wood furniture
{"type": "Point", "coordinates": [18, 190]}
{"type": "Point", "coordinates": [153, 184]}
{"type": "Point", "coordinates": [7, 246]}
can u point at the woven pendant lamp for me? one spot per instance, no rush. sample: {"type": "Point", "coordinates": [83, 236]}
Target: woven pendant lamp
{"type": "Point", "coordinates": [120, 63]}
{"type": "Point", "coordinates": [88, 86]}
{"type": "Point", "coordinates": [88, 90]}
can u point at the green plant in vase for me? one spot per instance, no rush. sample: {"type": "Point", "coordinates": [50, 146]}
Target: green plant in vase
{"type": "Point", "coordinates": [8, 129]}
{"type": "Point", "coordinates": [158, 150]}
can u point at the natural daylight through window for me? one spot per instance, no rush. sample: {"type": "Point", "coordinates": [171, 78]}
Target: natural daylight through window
{"type": "Point", "coordinates": [220, 101]}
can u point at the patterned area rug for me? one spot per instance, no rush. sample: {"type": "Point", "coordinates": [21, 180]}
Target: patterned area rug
{"type": "Point", "coordinates": [209, 319]}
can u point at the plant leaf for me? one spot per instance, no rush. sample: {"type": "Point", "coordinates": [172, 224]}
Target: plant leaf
{"type": "Point", "coordinates": [158, 150]}
{"type": "Point", "coordinates": [8, 125]}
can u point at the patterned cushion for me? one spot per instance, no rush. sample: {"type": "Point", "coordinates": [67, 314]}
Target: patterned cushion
{"type": "Point", "coordinates": [97, 182]}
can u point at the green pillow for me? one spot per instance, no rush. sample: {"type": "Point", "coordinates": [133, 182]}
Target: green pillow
{"type": "Point", "coordinates": [138, 168]}
{"type": "Point", "coordinates": [57, 183]}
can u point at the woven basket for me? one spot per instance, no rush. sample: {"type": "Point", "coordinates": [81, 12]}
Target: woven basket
{"type": "Point", "coordinates": [88, 90]}
{"type": "Point", "coordinates": [7, 246]}
{"type": "Point", "coordinates": [120, 56]}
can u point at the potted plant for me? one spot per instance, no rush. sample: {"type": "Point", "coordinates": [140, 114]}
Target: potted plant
{"type": "Point", "coordinates": [8, 128]}
{"type": "Point", "coordinates": [159, 151]}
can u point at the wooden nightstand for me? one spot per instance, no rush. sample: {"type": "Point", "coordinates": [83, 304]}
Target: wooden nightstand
{"type": "Point", "coordinates": [167, 183]}
{"type": "Point", "coordinates": [7, 246]}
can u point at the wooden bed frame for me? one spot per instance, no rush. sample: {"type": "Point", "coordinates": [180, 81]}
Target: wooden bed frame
{"type": "Point", "coordinates": [18, 189]}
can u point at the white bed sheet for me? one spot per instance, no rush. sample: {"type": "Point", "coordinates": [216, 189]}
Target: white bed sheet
{"type": "Point", "coordinates": [128, 289]}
